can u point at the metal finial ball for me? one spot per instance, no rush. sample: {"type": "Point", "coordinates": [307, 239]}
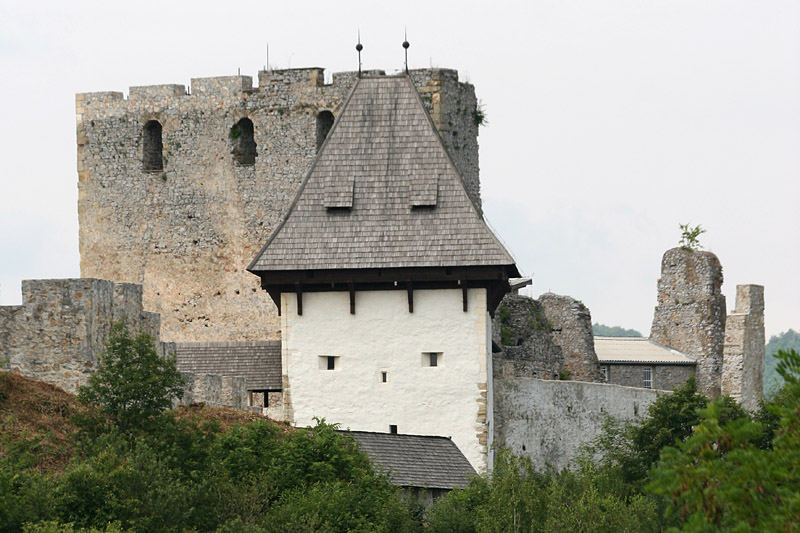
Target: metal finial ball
{"type": "Point", "coordinates": [359, 47]}
{"type": "Point", "coordinates": [406, 45]}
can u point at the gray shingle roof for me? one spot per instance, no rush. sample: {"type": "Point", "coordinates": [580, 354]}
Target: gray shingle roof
{"type": "Point", "coordinates": [416, 460]}
{"type": "Point", "coordinates": [257, 361]}
{"type": "Point", "coordinates": [385, 157]}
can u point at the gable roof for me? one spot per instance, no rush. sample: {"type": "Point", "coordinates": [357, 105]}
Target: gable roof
{"type": "Point", "coordinates": [259, 362]}
{"type": "Point", "coordinates": [382, 193]}
{"type": "Point", "coordinates": [637, 350]}
{"type": "Point", "coordinates": [416, 460]}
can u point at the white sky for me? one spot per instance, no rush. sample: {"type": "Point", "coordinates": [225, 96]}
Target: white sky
{"type": "Point", "coordinates": [610, 123]}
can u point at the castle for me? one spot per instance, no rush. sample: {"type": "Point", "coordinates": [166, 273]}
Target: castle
{"type": "Point", "coordinates": [380, 277]}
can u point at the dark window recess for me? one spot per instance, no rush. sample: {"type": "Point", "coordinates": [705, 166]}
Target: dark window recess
{"type": "Point", "coordinates": [324, 125]}
{"type": "Point", "coordinates": [243, 144]}
{"type": "Point", "coordinates": [152, 146]}
{"type": "Point", "coordinates": [384, 377]}
{"type": "Point", "coordinates": [331, 362]}
{"type": "Point", "coordinates": [393, 429]}
{"type": "Point", "coordinates": [434, 359]}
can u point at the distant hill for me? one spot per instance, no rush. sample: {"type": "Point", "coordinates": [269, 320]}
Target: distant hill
{"type": "Point", "coordinates": [601, 330]}
{"type": "Point", "coordinates": [785, 341]}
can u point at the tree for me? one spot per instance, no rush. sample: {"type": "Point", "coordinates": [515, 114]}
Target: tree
{"type": "Point", "coordinates": [721, 478]}
{"type": "Point", "coordinates": [132, 382]}
{"type": "Point", "coordinates": [690, 236]}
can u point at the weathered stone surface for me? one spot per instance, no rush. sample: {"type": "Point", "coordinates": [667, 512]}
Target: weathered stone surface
{"type": "Point", "coordinates": [548, 421]}
{"type": "Point", "coordinates": [549, 338]}
{"type": "Point", "coordinates": [62, 326]}
{"type": "Point", "coordinates": [663, 377]}
{"type": "Point", "coordinates": [743, 362]}
{"type": "Point", "coordinates": [690, 315]}
{"type": "Point", "coordinates": [187, 232]}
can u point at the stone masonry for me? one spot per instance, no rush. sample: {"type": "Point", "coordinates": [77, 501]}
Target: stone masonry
{"type": "Point", "coordinates": [743, 363]}
{"type": "Point", "coordinates": [186, 227]}
{"type": "Point", "coordinates": [690, 315]}
{"type": "Point", "coordinates": [549, 338]}
{"type": "Point", "coordinates": [61, 328]}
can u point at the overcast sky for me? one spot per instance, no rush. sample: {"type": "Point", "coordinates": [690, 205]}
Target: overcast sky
{"type": "Point", "coordinates": [609, 123]}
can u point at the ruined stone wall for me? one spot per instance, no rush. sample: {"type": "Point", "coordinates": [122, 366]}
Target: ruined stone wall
{"type": "Point", "coordinates": [548, 421]}
{"type": "Point", "coordinates": [743, 363]}
{"type": "Point", "coordinates": [690, 315]}
{"type": "Point", "coordinates": [62, 326]}
{"type": "Point", "coordinates": [663, 377]}
{"type": "Point", "coordinates": [187, 232]}
{"type": "Point", "coordinates": [549, 338]}
{"type": "Point", "coordinates": [215, 390]}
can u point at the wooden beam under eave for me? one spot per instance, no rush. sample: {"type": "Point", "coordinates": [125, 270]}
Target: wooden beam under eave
{"type": "Point", "coordinates": [299, 291]}
{"type": "Point", "coordinates": [352, 289]}
{"type": "Point", "coordinates": [464, 303]}
{"type": "Point", "coordinates": [410, 297]}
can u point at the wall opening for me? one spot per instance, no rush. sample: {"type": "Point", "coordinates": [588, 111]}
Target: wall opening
{"type": "Point", "coordinates": [324, 125]}
{"type": "Point", "coordinates": [152, 146]}
{"type": "Point", "coordinates": [647, 378]}
{"type": "Point", "coordinates": [384, 376]}
{"type": "Point", "coordinates": [431, 358]}
{"type": "Point", "coordinates": [243, 144]}
{"type": "Point", "coordinates": [393, 429]}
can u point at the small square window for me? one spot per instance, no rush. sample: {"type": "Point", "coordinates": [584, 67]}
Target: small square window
{"type": "Point", "coordinates": [647, 378]}
{"type": "Point", "coordinates": [384, 376]}
{"type": "Point", "coordinates": [432, 359]}
{"type": "Point", "coordinates": [393, 429]}
{"type": "Point", "coordinates": [328, 362]}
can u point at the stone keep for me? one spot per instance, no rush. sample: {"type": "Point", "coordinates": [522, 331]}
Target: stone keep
{"type": "Point", "coordinates": [186, 231]}
{"type": "Point", "coordinates": [690, 315]}
{"type": "Point", "coordinates": [743, 364]}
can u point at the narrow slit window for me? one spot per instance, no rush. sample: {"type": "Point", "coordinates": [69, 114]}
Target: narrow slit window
{"type": "Point", "coordinates": [384, 376]}
{"type": "Point", "coordinates": [324, 125]}
{"type": "Point", "coordinates": [393, 429]}
{"type": "Point", "coordinates": [328, 362]}
{"type": "Point", "coordinates": [243, 144]}
{"type": "Point", "coordinates": [331, 363]}
{"type": "Point", "coordinates": [152, 146]}
{"type": "Point", "coordinates": [431, 359]}
{"type": "Point", "coordinates": [647, 378]}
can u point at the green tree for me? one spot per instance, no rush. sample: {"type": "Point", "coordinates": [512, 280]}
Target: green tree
{"type": "Point", "coordinates": [132, 383]}
{"type": "Point", "coordinates": [690, 236]}
{"type": "Point", "coordinates": [720, 479]}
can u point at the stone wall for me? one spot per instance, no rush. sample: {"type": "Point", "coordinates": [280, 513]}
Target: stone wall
{"type": "Point", "coordinates": [743, 363]}
{"type": "Point", "coordinates": [690, 315]}
{"type": "Point", "coordinates": [187, 232]}
{"type": "Point", "coordinates": [548, 421]}
{"type": "Point", "coordinates": [549, 338]}
{"type": "Point", "coordinates": [216, 390]}
{"type": "Point", "coordinates": [663, 377]}
{"type": "Point", "coordinates": [62, 326]}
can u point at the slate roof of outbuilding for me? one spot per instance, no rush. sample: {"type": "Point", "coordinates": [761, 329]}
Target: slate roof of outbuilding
{"type": "Point", "coordinates": [416, 460]}
{"type": "Point", "coordinates": [382, 155]}
{"type": "Point", "coordinates": [259, 362]}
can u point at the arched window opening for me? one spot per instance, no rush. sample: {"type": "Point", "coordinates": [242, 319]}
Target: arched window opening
{"type": "Point", "coordinates": [243, 143]}
{"type": "Point", "coordinates": [152, 155]}
{"type": "Point", "coordinates": [324, 125]}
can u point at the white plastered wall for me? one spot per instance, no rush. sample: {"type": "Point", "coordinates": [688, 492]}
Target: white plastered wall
{"type": "Point", "coordinates": [452, 399]}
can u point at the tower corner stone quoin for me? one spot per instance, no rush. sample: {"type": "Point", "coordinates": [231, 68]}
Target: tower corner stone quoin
{"type": "Point", "coordinates": [690, 314]}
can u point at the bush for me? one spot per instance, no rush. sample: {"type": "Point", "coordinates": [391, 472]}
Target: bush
{"type": "Point", "coordinates": [132, 383]}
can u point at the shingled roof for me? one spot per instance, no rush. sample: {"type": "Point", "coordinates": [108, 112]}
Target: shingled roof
{"type": "Point", "coordinates": [383, 192]}
{"type": "Point", "coordinates": [259, 362]}
{"type": "Point", "coordinates": [416, 460]}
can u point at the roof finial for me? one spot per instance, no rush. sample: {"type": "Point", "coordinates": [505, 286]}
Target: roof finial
{"type": "Point", "coordinates": [405, 46]}
{"type": "Point", "coordinates": [359, 47]}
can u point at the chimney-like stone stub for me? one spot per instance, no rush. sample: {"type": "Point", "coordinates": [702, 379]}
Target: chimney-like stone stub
{"type": "Point", "coordinates": [571, 329]}
{"type": "Point", "coordinates": [743, 359]}
{"type": "Point", "coordinates": [690, 315]}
